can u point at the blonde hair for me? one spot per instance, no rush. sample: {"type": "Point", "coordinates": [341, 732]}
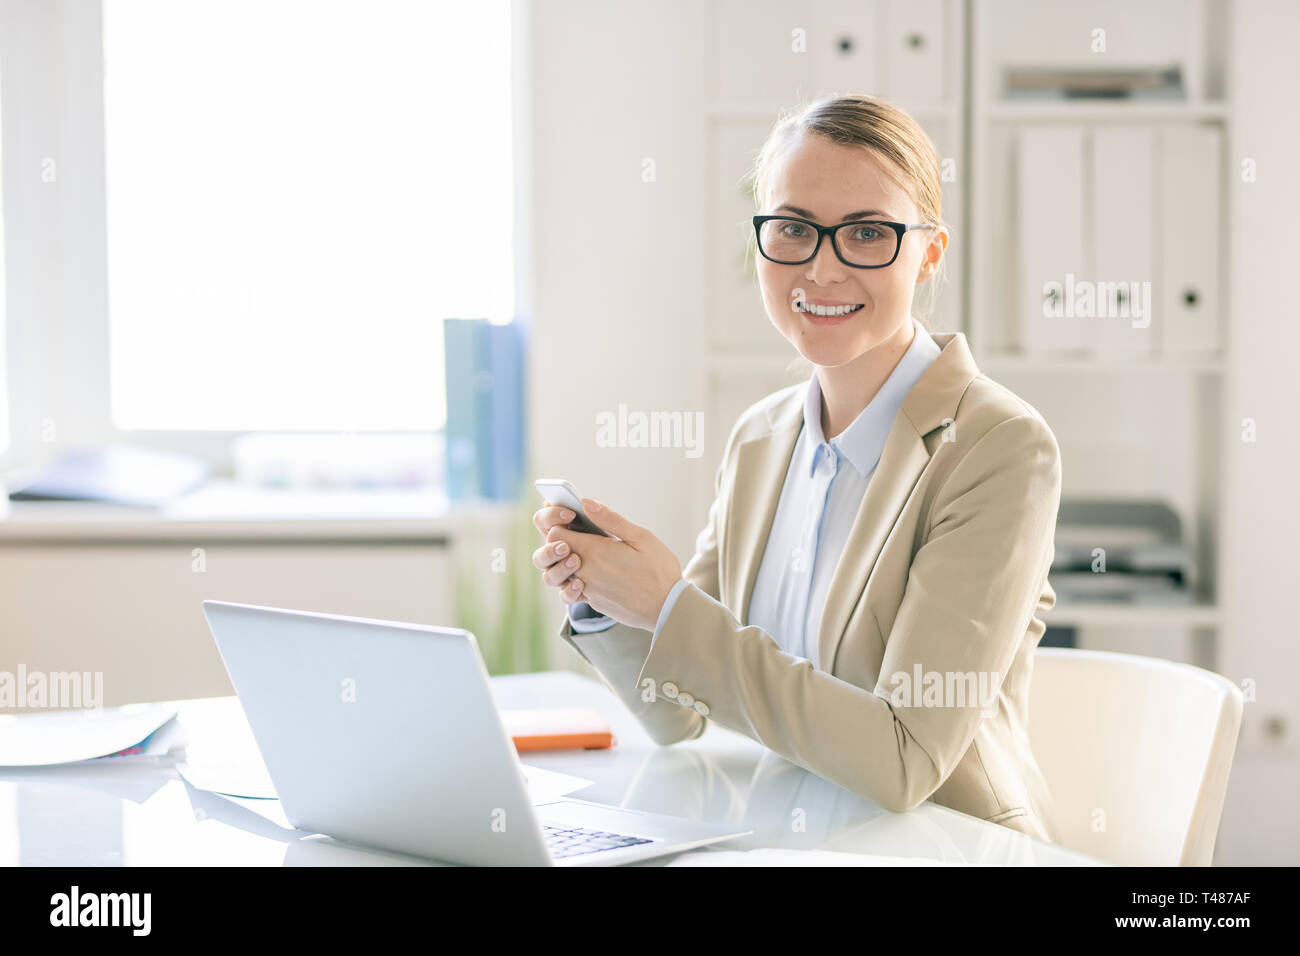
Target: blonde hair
{"type": "Point", "coordinates": [884, 129]}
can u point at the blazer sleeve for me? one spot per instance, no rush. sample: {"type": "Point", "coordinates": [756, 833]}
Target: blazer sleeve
{"type": "Point", "coordinates": [971, 592]}
{"type": "Point", "coordinates": [618, 652]}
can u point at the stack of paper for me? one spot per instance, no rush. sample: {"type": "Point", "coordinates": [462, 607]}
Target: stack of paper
{"type": "Point", "coordinates": [72, 736]}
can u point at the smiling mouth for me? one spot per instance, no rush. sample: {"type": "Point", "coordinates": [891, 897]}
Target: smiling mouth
{"type": "Point", "coordinates": [826, 311]}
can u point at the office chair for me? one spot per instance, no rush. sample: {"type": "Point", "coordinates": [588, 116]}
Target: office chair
{"type": "Point", "coordinates": [1136, 752]}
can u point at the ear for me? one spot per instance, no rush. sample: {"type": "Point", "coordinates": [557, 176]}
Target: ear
{"type": "Point", "coordinates": [933, 255]}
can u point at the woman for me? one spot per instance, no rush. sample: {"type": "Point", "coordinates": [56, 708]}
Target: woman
{"type": "Point", "coordinates": [866, 597]}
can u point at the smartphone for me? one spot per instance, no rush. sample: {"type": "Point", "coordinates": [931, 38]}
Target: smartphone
{"type": "Point", "coordinates": [559, 492]}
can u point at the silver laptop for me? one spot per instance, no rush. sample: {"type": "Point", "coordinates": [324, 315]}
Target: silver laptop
{"type": "Point", "coordinates": [387, 735]}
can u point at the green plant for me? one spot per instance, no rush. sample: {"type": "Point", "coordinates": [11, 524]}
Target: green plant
{"type": "Point", "coordinates": [500, 596]}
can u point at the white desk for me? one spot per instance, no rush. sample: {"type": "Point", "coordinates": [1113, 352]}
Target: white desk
{"type": "Point", "coordinates": [115, 814]}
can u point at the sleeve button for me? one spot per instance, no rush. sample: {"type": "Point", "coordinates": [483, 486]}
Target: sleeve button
{"type": "Point", "coordinates": [668, 689]}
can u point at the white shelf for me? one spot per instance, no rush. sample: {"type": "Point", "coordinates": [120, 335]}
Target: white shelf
{"type": "Point", "coordinates": [1123, 615]}
{"type": "Point", "coordinates": [1106, 402]}
{"type": "Point", "coordinates": [1051, 111]}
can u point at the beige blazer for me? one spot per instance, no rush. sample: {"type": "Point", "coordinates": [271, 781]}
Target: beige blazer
{"type": "Point", "coordinates": [943, 578]}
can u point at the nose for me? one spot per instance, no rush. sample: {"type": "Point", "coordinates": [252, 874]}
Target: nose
{"type": "Point", "coordinates": [825, 267]}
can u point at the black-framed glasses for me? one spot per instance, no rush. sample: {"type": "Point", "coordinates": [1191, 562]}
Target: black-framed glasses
{"type": "Point", "coordinates": [862, 244]}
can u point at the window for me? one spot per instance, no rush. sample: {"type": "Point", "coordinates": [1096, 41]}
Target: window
{"type": "Point", "coordinates": [298, 193]}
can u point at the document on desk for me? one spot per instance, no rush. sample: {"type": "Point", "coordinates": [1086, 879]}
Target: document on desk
{"type": "Point", "coordinates": [245, 779]}
{"type": "Point", "coordinates": [546, 785]}
{"type": "Point", "coordinates": [72, 736]}
{"type": "Point", "coordinates": [221, 754]}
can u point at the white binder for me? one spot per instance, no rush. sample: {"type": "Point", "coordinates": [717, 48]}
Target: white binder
{"type": "Point", "coordinates": [1052, 239]}
{"type": "Point", "coordinates": [843, 44]}
{"type": "Point", "coordinates": [915, 65]}
{"type": "Point", "coordinates": [1123, 217]}
{"type": "Point", "coordinates": [1193, 241]}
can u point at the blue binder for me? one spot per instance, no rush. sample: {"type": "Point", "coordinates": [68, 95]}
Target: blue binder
{"type": "Point", "coordinates": [485, 409]}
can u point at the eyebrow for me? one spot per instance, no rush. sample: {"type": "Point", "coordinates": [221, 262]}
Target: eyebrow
{"type": "Point", "coordinates": [860, 214]}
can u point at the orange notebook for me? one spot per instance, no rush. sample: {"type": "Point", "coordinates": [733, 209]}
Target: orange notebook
{"type": "Point", "coordinates": [558, 728]}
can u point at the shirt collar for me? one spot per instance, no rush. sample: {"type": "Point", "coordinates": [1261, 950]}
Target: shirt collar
{"type": "Point", "coordinates": [864, 440]}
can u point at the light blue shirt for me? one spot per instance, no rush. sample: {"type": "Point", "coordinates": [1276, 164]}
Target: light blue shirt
{"type": "Point", "coordinates": [823, 491]}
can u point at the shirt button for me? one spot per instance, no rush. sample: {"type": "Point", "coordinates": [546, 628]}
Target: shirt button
{"type": "Point", "coordinates": [668, 689]}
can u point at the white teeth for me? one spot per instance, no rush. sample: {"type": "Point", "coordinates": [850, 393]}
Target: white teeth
{"type": "Point", "coordinates": [829, 310]}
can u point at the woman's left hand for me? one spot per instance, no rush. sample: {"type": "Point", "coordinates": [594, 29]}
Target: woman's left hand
{"type": "Point", "coordinates": [627, 577]}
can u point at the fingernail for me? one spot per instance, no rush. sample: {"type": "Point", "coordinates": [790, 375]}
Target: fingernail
{"type": "Point", "coordinates": [576, 584]}
{"type": "Point", "coordinates": [594, 504]}
{"type": "Point", "coordinates": [561, 548]}
{"type": "Point", "coordinates": [572, 562]}
{"type": "Point", "coordinates": [566, 515]}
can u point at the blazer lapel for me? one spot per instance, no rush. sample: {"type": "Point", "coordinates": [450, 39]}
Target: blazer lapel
{"type": "Point", "coordinates": [929, 404]}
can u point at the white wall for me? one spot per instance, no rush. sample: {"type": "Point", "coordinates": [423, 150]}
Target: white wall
{"type": "Point", "coordinates": [50, 63]}
{"type": "Point", "coordinates": [618, 269]}
{"type": "Point", "coordinates": [1261, 527]}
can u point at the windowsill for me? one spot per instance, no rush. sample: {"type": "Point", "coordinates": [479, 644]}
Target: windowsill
{"type": "Point", "coordinates": [223, 510]}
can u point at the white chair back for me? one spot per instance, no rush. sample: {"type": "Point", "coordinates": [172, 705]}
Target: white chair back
{"type": "Point", "coordinates": [1136, 751]}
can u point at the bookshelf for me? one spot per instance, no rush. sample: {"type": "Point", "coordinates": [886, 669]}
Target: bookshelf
{"type": "Point", "coordinates": [1141, 422]}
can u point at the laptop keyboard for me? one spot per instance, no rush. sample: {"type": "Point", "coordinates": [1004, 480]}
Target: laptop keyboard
{"type": "Point", "coordinates": [572, 841]}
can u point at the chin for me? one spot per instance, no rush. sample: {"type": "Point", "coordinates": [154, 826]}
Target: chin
{"type": "Point", "coordinates": [827, 347]}
{"type": "Point", "coordinates": [827, 355]}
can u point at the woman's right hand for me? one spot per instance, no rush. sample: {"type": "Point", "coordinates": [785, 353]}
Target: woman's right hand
{"type": "Point", "coordinates": [553, 559]}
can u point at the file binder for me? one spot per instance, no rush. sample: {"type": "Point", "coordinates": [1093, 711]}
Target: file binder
{"type": "Point", "coordinates": [1193, 242]}
{"type": "Point", "coordinates": [1052, 236]}
{"type": "Point", "coordinates": [1123, 167]}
